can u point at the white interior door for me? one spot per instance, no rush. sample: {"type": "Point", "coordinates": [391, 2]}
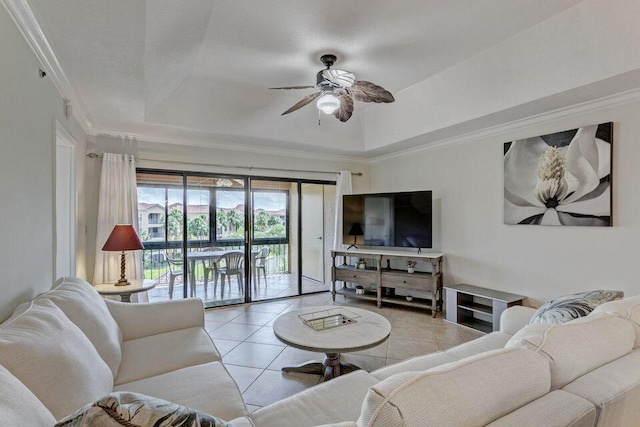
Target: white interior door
{"type": "Point", "coordinates": [65, 212]}
{"type": "Point", "coordinates": [313, 232]}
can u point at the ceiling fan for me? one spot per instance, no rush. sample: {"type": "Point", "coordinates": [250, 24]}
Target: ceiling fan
{"type": "Point", "coordinates": [338, 89]}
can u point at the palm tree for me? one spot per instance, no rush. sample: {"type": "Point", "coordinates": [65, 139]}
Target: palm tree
{"type": "Point", "coordinates": [174, 224]}
{"type": "Point", "coordinates": [235, 221]}
{"type": "Point", "coordinates": [198, 227]}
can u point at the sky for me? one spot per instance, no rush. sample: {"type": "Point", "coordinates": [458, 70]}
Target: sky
{"type": "Point", "coordinates": [226, 199]}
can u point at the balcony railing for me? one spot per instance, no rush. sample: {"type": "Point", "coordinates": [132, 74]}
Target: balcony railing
{"type": "Point", "coordinates": [156, 267]}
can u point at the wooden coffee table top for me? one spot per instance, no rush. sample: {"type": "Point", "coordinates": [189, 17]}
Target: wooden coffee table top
{"type": "Point", "coordinates": [369, 330]}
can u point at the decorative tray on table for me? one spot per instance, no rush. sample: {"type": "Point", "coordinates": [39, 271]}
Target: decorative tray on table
{"type": "Point", "coordinates": [328, 319]}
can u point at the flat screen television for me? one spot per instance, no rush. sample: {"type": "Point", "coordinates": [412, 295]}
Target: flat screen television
{"type": "Point", "coordinates": [388, 219]}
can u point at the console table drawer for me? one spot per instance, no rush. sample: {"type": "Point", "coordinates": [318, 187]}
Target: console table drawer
{"type": "Point", "coordinates": [364, 277]}
{"type": "Point", "coordinates": [416, 281]}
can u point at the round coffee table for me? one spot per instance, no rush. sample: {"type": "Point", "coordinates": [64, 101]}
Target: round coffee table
{"type": "Point", "coordinates": [367, 330]}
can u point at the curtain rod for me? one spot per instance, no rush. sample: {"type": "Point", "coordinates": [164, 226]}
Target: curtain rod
{"type": "Point", "coordinates": [97, 156]}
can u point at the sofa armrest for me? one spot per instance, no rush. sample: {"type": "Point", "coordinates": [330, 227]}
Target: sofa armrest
{"type": "Point", "coordinates": [142, 320]}
{"type": "Point", "coordinates": [515, 318]}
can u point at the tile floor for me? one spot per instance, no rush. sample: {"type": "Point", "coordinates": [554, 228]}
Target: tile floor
{"type": "Point", "coordinates": [278, 286]}
{"type": "Point", "coordinates": [254, 356]}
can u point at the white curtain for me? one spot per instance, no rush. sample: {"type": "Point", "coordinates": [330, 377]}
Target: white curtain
{"type": "Point", "coordinates": [118, 204]}
{"type": "Point", "coordinates": [343, 187]}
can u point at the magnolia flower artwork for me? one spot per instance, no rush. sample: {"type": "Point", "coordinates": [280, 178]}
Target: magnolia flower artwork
{"type": "Point", "coordinates": [563, 178]}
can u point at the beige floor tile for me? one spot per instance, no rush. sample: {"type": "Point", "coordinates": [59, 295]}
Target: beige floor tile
{"type": "Point", "coordinates": [223, 315]}
{"type": "Point", "coordinates": [253, 355]}
{"type": "Point", "coordinates": [411, 331]}
{"type": "Point", "coordinates": [254, 318]}
{"type": "Point", "coordinates": [252, 408]}
{"type": "Point", "coordinates": [455, 334]}
{"type": "Point", "coordinates": [377, 351]}
{"type": "Point", "coordinates": [292, 356]}
{"type": "Point", "coordinates": [225, 346]}
{"type": "Point", "coordinates": [264, 335]}
{"type": "Point", "coordinates": [243, 375]}
{"type": "Point", "coordinates": [391, 361]}
{"type": "Point", "coordinates": [234, 331]}
{"type": "Point", "coordinates": [400, 348]}
{"type": "Point", "coordinates": [269, 307]}
{"type": "Point", "coordinates": [368, 363]}
{"type": "Point", "coordinates": [211, 326]}
{"type": "Point", "coordinates": [272, 386]}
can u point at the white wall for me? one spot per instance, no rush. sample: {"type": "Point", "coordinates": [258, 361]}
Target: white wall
{"type": "Point", "coordinates": [539, 262]}
{"type": "Point", "coordinates": [28, 109]}
{"type": "Point", "coordinates": [168, 157]}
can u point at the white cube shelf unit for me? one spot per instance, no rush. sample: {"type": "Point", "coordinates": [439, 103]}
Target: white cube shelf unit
{"type": "Point", "coordinates": [476, 307]}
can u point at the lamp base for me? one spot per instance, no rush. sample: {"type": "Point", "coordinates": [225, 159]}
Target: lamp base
{"type": "Point", "coordinates": [122, 282]}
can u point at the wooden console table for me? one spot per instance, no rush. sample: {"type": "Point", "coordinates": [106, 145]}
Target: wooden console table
{"type": "Point", "coordinates": [386, 280]}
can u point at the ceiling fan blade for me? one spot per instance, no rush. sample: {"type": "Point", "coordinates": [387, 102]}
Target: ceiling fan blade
{"type": "Point", "coordinates": [346, 108]}
{"type": "Point", "coordinates": [369, 92]}
{"type": "Point", "coordinates": [304, 101]}
{"type": "Point", "coordinates": [341, 78]}
{"type": "Point", "coordinates": [293, 87]}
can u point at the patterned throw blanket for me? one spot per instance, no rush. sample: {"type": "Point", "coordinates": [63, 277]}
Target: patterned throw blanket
{"type": "Point", "coordinates": [137, 410]}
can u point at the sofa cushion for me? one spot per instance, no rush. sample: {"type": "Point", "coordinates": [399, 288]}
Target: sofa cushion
{"type": "Point", "coordinates": [80, 302]}
{"type": "Point", "coordinates": [208, 388]}
{"type": "Point", "coordinates": [418, 363]}
{"type": "Point", "coordinates": [556, 409]}
{"type": "Point", "coordinates": [19, 406]}
{"type": "Point", "coordinates": [41, 347]}
{"type": "Point", "coordinates": [569, 307]}
{"type": "Point", "coordinates": [577, 347]}
{"type": "Point", "coordinates": [134, 409]}
{"type": "Point", "coordinates": [614, 389]}
{"type": "Point", "coordinates": [158, 354]}
{"type": "Point", "coordinates": [335, 401]}
{"type": "Point", "coordinates": [482, 388]}
{"type": "Point", "coordinates": [628, 308]}
{"type": "Point", "coordinates": [492, 341]}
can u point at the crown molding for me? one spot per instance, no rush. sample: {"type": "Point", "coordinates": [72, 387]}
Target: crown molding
{"type": "Point", "coordinates": [607, 102]}
{"type": "Point", "coordinates": [28, 26]}
{"type": "Point", "coordinates": [226, 146]}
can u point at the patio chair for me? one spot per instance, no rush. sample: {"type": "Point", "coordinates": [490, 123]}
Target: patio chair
{"type": "Point", "coordinates": [211, 266]}
{"type": "Point", "coordinates": [260, 264]}
{"type": "Point", "coordinates": [175, 270]}
{"type": "Point", "coordinates": [233, 266]}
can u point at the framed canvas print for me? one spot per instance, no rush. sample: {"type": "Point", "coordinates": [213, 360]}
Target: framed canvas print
{"type": "Point", "coordinates": [563, 178]}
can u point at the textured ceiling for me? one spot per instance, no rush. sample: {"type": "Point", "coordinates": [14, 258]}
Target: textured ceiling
{"type": "Point", "coordinates": [200, 69]}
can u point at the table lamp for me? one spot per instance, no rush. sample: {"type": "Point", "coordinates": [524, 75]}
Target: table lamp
{"type": "Point", "coordinates": [122, 238]}
{"type": "Point", "coordinates": [355, 231]}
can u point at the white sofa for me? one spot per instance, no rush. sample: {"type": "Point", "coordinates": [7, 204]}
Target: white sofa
{"type": "Point", "coordinates": [68, 347]}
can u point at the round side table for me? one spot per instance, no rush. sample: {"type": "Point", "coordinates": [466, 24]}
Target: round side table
{"type": "Point", "coordinates": [137, 285]}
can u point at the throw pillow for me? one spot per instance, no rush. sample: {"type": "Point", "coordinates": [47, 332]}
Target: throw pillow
{"type": "Point", "coordinates": [80, 302]}
{"type": "Point", "coordinates": [50, 355]}
{"type": "Point", "coordinates": [129, 409]}
{"type": "Point", "coordinates": [569, 307]}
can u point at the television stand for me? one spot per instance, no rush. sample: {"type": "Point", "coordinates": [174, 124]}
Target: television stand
{"type": "Point", "coordinates": [384, 282]}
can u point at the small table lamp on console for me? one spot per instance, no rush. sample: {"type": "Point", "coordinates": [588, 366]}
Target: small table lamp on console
{"type": "Point", "coordinates": [355, 231]}
{"type": "Point", "coordinates": [122, 238]}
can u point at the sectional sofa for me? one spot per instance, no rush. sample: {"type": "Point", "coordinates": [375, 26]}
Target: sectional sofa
{"type": "Point", "coordinates": [69, 347]}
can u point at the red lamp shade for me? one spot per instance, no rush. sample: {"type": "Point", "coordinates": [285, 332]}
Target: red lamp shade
{"type": "Point", "coordinates": [123, 238]}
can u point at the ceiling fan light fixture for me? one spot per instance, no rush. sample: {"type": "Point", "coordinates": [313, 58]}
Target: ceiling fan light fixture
{"type": "Point", "coordinates": [328, 103]}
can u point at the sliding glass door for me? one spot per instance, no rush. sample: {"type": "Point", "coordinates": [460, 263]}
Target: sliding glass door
{"type": "Point", "coordinates": [233, 239]}
{"type": "Point", "coordinates": [274, 239]}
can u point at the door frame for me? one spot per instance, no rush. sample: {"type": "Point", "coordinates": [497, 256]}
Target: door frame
{"type": "Point", "coordinates": [65, 141]}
